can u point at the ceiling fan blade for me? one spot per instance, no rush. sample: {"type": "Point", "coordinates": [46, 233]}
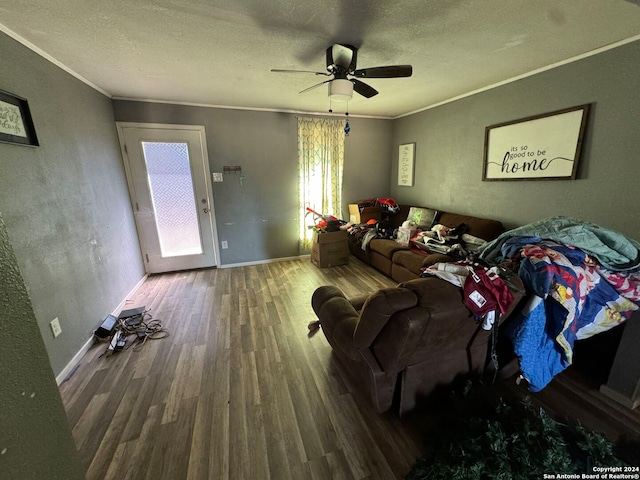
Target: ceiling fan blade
{"type": "Point", "coordinates": [315, 86]}
{"type": "Point", "coordinates": [278, 70]}
{"type": "Point", "coordinates": [363, 89]}
{"type": "Point", "coordinates": [392, 71]}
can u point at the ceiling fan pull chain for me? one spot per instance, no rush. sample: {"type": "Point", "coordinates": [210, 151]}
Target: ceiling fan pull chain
{"type": "Point", "coordinates": [347, 127]}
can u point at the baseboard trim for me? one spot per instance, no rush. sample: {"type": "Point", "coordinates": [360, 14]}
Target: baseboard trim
{"type": "Point", "coordinates": [133, 291]}
{"type": "Point", "coordinates": [66, 371]}
{"type": "Point", "coordinates": [261, 262]}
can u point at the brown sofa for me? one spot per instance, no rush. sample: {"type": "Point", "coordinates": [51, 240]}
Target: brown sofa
{"type": "Point", "coordinates": [401, 343]}
{"type": "Point", "coordinates": [402, 263]}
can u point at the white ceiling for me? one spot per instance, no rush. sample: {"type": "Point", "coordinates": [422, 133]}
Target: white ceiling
{"type": "Point", "coordinates": [220, 52]}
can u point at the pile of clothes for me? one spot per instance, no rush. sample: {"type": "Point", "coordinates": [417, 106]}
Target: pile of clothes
{"type": "Point", "coordinates": [581, 279]}
{"type": "Point", "coordinates": [454, 242]}
{"type": "Point", "coordinates": [485, 290]}
{"type": "Point", "coordinates": [364, 233]}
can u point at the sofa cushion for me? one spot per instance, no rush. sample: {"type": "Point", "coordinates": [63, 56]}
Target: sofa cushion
{"type": "Point", "coordinates": [385, 247]}
{"type": "Point", "coordinates": [414, 262]}
{"type": "Point", "coordinates": [409, 260]}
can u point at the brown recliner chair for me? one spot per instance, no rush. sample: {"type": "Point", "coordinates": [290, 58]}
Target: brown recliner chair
{"type": "Point", "coordinates": [405, 341]}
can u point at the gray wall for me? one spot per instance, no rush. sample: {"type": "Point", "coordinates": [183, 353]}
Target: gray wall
{"type": "Point", "coordinates": [65, 203]}
{"type": "Point", "coordinates": [35, 439]}
{"type": "Point", "coordinates": [367, 167]}
{"type": "Point", "coordinates": [450, 141]}
{"type": "Point", "coordinates": [259, 219]}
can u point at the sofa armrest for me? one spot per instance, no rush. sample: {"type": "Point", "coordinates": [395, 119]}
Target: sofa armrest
{"type": "Point", "coordinates": [337, 317]}
{"type": "Point", "coordinates": [327, 292]}
{"type": "Point", "coordinates": [376, 312]}
{"type": "Point", "coordinates": [322, 294]}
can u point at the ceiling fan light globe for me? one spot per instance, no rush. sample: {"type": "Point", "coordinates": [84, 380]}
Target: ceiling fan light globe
{"type": "Point", "coordinates": [340, 90]}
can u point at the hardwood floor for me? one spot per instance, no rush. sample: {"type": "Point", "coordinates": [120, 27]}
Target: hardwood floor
{"type": "Point", "coordinates": [240, 391]}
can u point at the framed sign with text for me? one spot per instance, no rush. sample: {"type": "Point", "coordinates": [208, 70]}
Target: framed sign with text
{"type": "Point", "coordinates": [544, 146]}
{"type": "Point", "coordinates": [16, 125]}
{"type": "Point", "coordinates": [406, 158]}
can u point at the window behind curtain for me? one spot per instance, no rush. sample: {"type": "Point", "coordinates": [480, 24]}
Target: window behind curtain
{"type": "Point", "coordinates": [320, 159]}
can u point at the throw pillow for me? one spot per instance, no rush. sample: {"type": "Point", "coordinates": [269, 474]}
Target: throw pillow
{"type": "Point", "coordinates": [423, 217]}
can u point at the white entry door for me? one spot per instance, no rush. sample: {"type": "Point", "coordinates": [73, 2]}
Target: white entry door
{"type": "Point", "coordinates": [168, 174]}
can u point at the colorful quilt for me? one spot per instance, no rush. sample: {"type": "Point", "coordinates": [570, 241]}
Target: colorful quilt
{"type": "Point", "coordinates": [573, 297]}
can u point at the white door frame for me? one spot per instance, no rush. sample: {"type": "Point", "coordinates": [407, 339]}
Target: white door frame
{"type": "Point", "coordinates": [120, 126]}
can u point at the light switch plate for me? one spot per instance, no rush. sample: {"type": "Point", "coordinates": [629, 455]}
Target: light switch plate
{"type": "Point", "coordinates": [217, 177]}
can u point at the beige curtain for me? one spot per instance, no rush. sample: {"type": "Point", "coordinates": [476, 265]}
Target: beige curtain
{"type": "Point", "coordinates": [320, 158]}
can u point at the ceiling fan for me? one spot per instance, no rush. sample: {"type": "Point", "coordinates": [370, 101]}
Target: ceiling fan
{"type": "Point", "coordinates": [341, 64]}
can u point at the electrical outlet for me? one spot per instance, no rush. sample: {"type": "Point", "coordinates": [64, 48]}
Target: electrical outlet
{"type": "Point", "coordinates": [55, 327]}
{"type": "Point", "coordinates": [217, 177]}
{"type": "Point", "coordinates": [224, 244]}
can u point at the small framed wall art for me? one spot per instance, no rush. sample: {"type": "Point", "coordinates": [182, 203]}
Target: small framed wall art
{"type": "Point", "coordinates": [406, 158]}
{"type": "Point", "coordinates": [540, 147]}
{"type": "Point", "coordinates": [16, 125]}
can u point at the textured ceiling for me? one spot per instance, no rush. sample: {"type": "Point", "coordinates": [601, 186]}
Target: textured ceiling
{"type": "Point", "coordinates": [221, 52]}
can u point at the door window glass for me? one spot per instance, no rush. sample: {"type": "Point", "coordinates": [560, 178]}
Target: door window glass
{"type": "Point", "coordinates": [173, 198]}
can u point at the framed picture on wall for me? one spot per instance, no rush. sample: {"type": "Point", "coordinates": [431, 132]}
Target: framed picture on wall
{"type": "Point", "coordinates": [540, 147]}
{"type": "Point", "coordinates": [16, 125]}
{"type": "Point", "coordinates": [406, 158]}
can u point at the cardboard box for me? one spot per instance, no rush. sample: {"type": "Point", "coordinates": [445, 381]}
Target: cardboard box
{"type": "Point", "coordinates": [330, 237]}
{"type": "Point", "coordinates": [367, 213]}
{"type": "Point", "coordinates": [405, 234]}
{"type": "Point", "coordinates": [330, 249]}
